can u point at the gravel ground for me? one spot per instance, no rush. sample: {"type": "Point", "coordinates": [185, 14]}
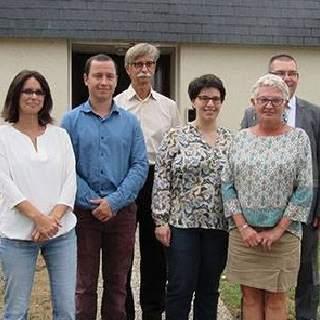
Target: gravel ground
{"type": "Point", "coordinates": [223, 312]}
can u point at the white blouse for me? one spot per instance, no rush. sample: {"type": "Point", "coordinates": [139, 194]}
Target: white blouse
{"type": "Point", "coordinates": [45, 177]}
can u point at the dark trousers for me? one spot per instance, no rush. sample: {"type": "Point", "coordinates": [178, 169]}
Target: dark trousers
{"type": "Point", "coordinates": [195, 260]}
{"type": "Point", "coordinates": [115, 239]}
{"type": "Point", "coordinates": [152, 261]}
{"type": "Point", "coordinates": [308, 287]}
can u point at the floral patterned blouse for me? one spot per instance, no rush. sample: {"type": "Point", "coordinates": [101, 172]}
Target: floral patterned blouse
{"type": "Point", "coordinates": [187, 185]}
{"type": "Point", "coordinates": [268, 178]}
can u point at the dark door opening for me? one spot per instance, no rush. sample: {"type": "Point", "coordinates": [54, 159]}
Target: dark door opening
{"type": "Point", "coordinates": [80, 92]}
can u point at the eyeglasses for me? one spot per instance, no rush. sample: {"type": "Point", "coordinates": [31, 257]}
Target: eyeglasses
{"type": "Point", "coordinates": [264, 101]}
{"type": "Point", "coordinates": [140, 65]}
{"type": "Point", "coordinates": [282, 74]}
{"type": "Point", "coordinates": [206, 99]}
{"type": "Point", "coordinates": [30, 92]}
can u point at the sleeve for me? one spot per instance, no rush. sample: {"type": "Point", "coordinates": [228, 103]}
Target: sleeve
{"type": "Point", "coordinates": [68, 189]}
{"type": "Point", "coordinates": [138, 169]}
{"type": "Point", "coordinates": [84, 193]}
{"type": "Point", "coordinates": [10, 192]}
{"type": "Point", "coordinates": [161, 193]}
{"type": "Point", "coordinates": [299, 204]}
{"type": "Point", "coordinates": [246, 123]}
{"type": "Point", "coordinates": [231, 203]}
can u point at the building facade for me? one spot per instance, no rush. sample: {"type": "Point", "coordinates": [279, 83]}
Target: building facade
{"type": "Point", "coordinates": [233, 39]}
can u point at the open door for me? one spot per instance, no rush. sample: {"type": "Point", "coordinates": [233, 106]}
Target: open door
{"type": "Point", "coordinates": [162, 77]}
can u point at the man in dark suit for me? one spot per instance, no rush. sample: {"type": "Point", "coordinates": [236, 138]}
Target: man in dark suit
{"type": "Point", "coordinates": [302, 114]}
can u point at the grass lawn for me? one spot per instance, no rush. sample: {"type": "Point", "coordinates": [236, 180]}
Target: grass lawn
{"type": "Point", "coordinates": [231, 296]}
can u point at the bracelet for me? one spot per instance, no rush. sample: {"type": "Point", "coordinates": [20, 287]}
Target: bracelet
{"type": "Point", "coordinates": [244, 226]}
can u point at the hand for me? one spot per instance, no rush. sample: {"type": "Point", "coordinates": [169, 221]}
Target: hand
{"type": "Point", "coordinates": [38, 237]}
{"type": "Point", "coordinates": [316, 222]}
{"type": "Point", "coordinates": [46, 227]}
{"type": "Point", "coordinates": [103, 212]}
{"type": "Point", "coordinates": [268, 237]}
{"type": "Point", "coordinates": [163, 234]}
{"type": "Point", "coordinates": [250, 237]}
{"type": "Point", "coordinates": [58, 211]}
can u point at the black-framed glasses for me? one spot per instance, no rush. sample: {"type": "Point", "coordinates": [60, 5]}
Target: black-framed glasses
{"type": "Point", "coordinates": [140, 64]}
{"type": "Point", "coordinates": [206, 99]}
{"type": "Point", "coordinates": [31, 92]}
{"type": "Point", "coordinates": [282, 74]}
{"type": "Point", "coordinates": [264, 101]}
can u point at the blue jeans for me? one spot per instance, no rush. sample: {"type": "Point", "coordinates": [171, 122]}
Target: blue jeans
{"type": "Point", "coordinates": [195, 260]}
{"type": "Point", "coordinates": [18, 259]}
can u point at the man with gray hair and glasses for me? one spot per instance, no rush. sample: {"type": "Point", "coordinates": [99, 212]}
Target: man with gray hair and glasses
{"type": "Point", "coordinates": [302, 114]}
{"type": "Point", "coordinates": [157, 114]}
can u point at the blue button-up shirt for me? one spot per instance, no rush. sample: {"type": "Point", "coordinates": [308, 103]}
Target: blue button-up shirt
{"type": "Point", "coordinates": [111, 158]}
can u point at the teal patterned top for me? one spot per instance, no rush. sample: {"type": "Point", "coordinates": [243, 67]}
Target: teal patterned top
{"type": "Point", "coordinates": [267, 178]}
{"type": "Point", "coordinates": [187, 185]}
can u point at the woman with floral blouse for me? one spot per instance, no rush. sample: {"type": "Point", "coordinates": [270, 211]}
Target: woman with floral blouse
{"type": "Point", "coordinates": [187, 205]}
{"type": "Point", "coordinates": [267, 192]}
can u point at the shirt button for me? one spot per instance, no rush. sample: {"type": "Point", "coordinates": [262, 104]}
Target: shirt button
{"type": "Point", "coordinates": [102, 138]}
{"type": "Point", "coordinates": [101, 171]}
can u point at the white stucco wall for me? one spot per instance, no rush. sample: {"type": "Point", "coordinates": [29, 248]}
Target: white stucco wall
{"type": "Point", "coordinates": [239, 68]}
{"type": "Point", "coordinates": [49, 57]}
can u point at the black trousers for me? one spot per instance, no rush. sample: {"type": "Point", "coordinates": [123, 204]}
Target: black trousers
{"type": "Point", "coordinates": [308, 286]}
{"type": "Point", "coordinates": [195, 260]}
{"type": "Point", "coordinates": [152, 263]}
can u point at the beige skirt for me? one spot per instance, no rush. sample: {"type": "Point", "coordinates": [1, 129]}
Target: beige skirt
{"type": "Point", "coordinates": [274, 270]}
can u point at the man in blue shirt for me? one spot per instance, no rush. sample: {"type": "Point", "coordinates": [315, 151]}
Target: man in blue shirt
{"type": "Point", "coordinates": [112, 165]}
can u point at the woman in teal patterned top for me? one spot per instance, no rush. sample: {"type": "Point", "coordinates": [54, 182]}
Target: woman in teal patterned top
{"type": "Point", "coordinates": [187, 205]}
{"type": "Point", "coordinates": [267, 192]}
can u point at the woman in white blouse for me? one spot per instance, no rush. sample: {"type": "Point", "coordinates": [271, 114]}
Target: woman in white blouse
{"type": "Point", "coordinates": [37, 191]}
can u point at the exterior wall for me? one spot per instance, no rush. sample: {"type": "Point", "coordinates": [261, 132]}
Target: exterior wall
{"type": "Point", "coordinates": [49, 57]}
{"type": "Point", "coordinates": [239, 67]}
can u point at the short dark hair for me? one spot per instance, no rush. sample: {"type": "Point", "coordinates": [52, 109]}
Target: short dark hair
{"type": "Point", "coordinates": [206, 81]}
{"type": "Point", "coordinates": [10, 111]}
{"type": "Point", "coordinates": [98, 57]}
{"type": "Point", "coordinates": [283, 57]}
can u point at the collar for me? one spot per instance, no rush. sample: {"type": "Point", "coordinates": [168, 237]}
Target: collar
{"type": "Point", "coordinates": [131, 93]}
{"type": "Point", "coordinates": [86, 107]}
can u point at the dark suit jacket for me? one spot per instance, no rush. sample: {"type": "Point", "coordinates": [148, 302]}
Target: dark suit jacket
{"type": "Point", "coordinates": [307, 118]}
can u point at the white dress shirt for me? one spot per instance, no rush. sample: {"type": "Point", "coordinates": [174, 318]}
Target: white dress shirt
{"type": "Point", "coordinates": [291, 112]}
{"type": "Point", "coordinates": [157, 114]}
{"type": "Point", "coordinates": [45, 178]}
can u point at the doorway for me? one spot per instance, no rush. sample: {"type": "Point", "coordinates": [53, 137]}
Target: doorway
{"type": "Point", "coordinates": [162, 78]}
